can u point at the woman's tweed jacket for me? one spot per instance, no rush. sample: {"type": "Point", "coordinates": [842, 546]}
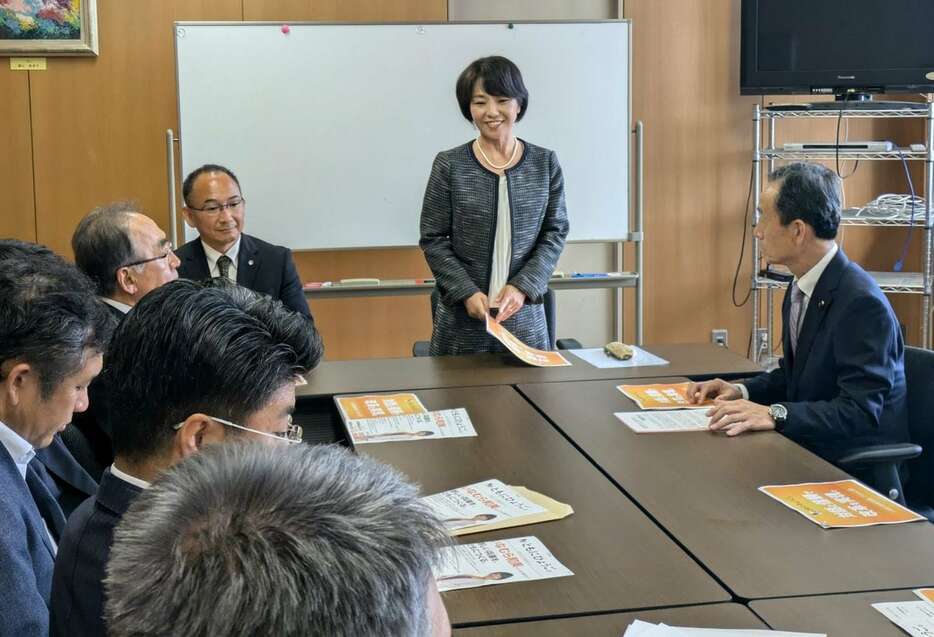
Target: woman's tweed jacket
{"type": "Point", "coordinates": [458, 227]}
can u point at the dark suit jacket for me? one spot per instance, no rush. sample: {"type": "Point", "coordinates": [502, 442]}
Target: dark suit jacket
{"type": "Point", "coordinates": [80, 568]}
{"type": "Point", "coordinates": [261, 267]}
{"type": "Point", "coordinates": [92, 424]}
{"type": "Point", "coordinates": [844, 387]}
{"type": "Point", "coordinates": [26, 556]}
{"type": "Point", "coordinates": [74, 484]}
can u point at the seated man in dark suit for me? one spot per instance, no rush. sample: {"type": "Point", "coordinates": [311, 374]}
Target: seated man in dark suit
{"type": "Point", "coordinates": [215, 207]}
{"type": "Point", "coordinates": [126, 255]}
{"type": "Point", "coordinates": [193, 364]}
{"type": "Point", "coordinates": [841, 381]}
{"type": "Point", "coordinates": [240, 541]}
{"type": "Point", "coordinates": [52, 333]}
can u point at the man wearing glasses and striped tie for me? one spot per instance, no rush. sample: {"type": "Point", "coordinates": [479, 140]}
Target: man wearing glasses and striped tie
{"type": "Point", "coordinates": [194, 364]}
{"type": "Point", "coordinates": [215, 207]}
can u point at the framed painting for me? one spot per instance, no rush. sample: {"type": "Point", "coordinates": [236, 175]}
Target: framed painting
{"type": "Point", "coordinates": [48, 27]}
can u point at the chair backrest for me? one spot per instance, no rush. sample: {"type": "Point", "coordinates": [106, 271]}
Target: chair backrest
{"type": "Point", "coordinates": [550, 316]}
{"type": "Point", "coordinates": [919, 377]}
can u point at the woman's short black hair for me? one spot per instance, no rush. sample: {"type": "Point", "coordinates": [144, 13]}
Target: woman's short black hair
{"type": "Point", "coordinates": [500, 77]}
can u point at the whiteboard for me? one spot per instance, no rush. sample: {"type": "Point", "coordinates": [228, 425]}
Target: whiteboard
{"type": "Point", "coordinates": [332, 128]}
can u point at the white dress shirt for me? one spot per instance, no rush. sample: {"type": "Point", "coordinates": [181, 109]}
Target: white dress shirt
{"type": "Point", "coordinates": [213, 255]}
{"type": "Point", "coordinates": [123, 307]}
{"type": "Point", "coordinates": [806, 284]}
{"type": "Point", "coordinates": [18, 448]}
{"type": "Point", "coordinates": [126, 477]}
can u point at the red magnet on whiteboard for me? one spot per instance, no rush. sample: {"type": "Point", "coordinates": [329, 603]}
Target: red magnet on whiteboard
{"type": "Point", "coordinates": [285, 29]}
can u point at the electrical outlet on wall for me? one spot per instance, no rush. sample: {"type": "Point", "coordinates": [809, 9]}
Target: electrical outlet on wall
{"type": "Point", "coordinates": [762, 341]}
{"type": "Point", "coordinates": [719, 337]}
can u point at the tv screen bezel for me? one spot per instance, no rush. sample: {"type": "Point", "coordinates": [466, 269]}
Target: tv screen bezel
{"type": "Point", "coordinates": [752, 82]}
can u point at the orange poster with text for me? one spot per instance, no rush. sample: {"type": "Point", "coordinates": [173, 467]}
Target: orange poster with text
{"type": "Point", "coordinates": [839, 504]}
{"type": "Point", "coordinates": [379, 406]}
{"type": "Point", "coordinates": [662, 396]}
{"type": "Point", "coordinates": [523, 352]}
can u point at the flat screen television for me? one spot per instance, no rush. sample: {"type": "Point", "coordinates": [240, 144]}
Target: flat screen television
{"type": "Point", "coordinates": [847, 48]}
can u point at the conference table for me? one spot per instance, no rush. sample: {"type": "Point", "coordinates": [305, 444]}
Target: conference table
{"type": "Point", "coordinates": [850, 615]}
{"type": "Point", "coordinates": [667, 527]}
{"type": "Point", "coordinates": [701, 487]}
{"type": "Point", "coordinates": [619, 558]}
{"type": "Point", "coordinates": [614, 624]}
{"type": "Point", "coordinates": [695, 360]}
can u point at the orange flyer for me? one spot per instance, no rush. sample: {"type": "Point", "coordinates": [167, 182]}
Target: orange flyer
{"type": "Point", "coordinates": [661, 396]}
{"type": "Point", "coordinates": [523, 352]}
{"type": "Point", "coordinates": [840, 504]}
{"type": "Point", "coordinates": [927, 594]}
{"type": "Point", "coordinates": [379, 406]}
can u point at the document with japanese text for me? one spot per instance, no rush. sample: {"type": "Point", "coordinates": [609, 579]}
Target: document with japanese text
{"type": "Point", "coordinates": [662, 396]}
{"type": "Point", "coordinates": [654, 422]}
{"type": "Point", "coordinates": [915, 618]}
{"type": "Point", "coordinates": [378, 405]}
{"type": "Point", "coordinates": [839, 504]}
{"type": "Point", "coordinates": [526, 354]}
{"type": "Point", "coordinates": [447, 423]}
{"type": "Point", "coordinates": [490, 505]}
{"type": "Point", "coordinates": [499, 562]}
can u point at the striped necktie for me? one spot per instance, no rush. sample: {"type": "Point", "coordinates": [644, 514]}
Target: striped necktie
{"type": "Point", "coordinates": [794, 315]}
{"type": "Point", "coordinates": [223, 266]}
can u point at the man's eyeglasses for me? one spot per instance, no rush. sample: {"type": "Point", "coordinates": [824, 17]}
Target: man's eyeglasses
{"type": "Point", "coordinates": [213, 207]}
{"type": "Point", "coordinates": [150, 259]}
{"type": "Point", "coordinates": [292, 435]}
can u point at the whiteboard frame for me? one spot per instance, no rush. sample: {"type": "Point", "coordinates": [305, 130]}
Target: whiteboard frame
{"type": "Point", "coordinates": [634, 234]}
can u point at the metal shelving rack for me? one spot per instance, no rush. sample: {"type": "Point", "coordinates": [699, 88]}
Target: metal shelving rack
{"type": "Point", "coordinates": [919, 283]}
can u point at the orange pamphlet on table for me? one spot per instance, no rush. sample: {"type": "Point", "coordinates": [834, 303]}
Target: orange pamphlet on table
{"type": "Point", "coordinates": [379, 406]}
{"type": "Point", "coordinates": [840, 504]}
{"type": "Point", "coordinates": [523, 352]}
{"type": "Point", "coordinates": [662, 396]}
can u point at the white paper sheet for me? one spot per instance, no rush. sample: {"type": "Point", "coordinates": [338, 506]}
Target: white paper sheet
{"type": "Point", "coordinates": [665, 421]}
{"type": "Point", "coordinates": [600, 359]}
{"type": "Point", "coordinates": [447, 423]}
{"type": "Point", "coordinates": [499, 562]}
{"type": "Point", "coordinates": [645, 629]}
{"type": "Point", "coordinates": [915, 617]}
{"type": "Point", "coordinates": [483, 503]}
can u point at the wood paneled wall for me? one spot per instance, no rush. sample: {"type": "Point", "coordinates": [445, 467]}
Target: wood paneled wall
{"type": "Point", "coordinates": [91, 130]}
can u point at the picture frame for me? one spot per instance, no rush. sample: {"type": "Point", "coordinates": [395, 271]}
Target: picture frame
{"type": "Point", "coordinates": [48, 27]}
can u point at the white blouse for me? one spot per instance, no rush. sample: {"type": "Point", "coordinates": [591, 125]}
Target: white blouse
{"type": "Point", "coordinates": [502, 244]}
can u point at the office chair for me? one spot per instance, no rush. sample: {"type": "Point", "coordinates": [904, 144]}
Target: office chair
{"type": "Point", "coordinates": [420, 348]}
{"type": "Point", "coordinates": [883, 461]}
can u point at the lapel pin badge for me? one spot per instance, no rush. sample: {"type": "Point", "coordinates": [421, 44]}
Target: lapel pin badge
{"type": "Point", "coordinates": [250, 262]}
{"type": "Point", "coordinates": [821, 303]}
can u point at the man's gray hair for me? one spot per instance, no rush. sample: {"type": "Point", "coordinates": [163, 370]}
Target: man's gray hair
{"type": "Point", "coordinates": [246, 539]}
{"type": "Point", "coordinates": [102, 244]}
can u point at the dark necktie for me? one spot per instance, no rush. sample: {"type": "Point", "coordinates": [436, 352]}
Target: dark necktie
{"type": "Point", "coordinates": [42, 488]}
{"type": "Point", "coordinates": [794, 314]}
{"type": "Point", "coordinates": [223, 266]}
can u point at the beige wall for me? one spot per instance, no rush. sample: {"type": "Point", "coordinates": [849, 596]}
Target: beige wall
{"type": "Point", "coordinates": [88, 131]}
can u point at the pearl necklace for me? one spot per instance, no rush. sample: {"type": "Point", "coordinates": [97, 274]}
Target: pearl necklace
{"type": "Point", "coordinates": [515, 148]}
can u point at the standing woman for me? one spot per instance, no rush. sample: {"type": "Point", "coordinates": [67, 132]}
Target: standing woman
{"type": "Point", "coordinates": [494, 221]}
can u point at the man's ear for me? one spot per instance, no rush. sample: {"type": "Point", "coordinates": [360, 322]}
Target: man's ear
{"type": "Point", "coordinates": [126, 281]}
{"type": "Point", "coordinates": [186, 212]}
{"type": "Point", "coordinates": [196, 431]}
{"type": "Point", "coordinates": [15, 379]}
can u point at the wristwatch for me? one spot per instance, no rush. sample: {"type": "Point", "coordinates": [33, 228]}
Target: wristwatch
{"type": "Point", "coordinates": [779, 414]}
